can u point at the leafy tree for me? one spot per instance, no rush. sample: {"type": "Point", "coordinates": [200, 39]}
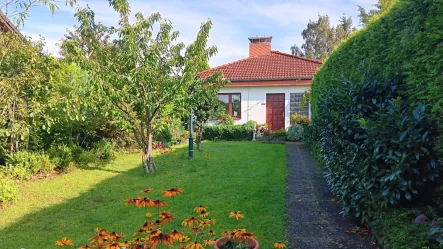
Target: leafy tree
{"type": "Point", "coordinates": [208, 108]}
{"type": "Point", "coordinates": [24, 94]}
{"type": "Point", "coordinates": [140, 75]}
{"type": "Point", "coordinates": [34, 89]}
{"type": "Point", "coordinates": [366, 15]}
{"type": "Point", "coordinates": [320, 37]}
{"type": "Point", "coordinates": [295, 50]}
{"type": "Point", "coordinates": [19, 9]}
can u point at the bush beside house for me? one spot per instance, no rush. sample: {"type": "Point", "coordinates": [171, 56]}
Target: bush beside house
{"type": "Point", "coordinates": [228, 132]}
{"type": "Point", "coordinates": [377, 121]}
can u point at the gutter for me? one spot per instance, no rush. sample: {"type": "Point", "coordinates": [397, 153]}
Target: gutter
{"type": "Point", "coordinates": [270, 79]}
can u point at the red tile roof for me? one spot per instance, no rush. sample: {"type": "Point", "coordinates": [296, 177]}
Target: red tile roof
{"type": "Point", "coordinates": [276, 66]}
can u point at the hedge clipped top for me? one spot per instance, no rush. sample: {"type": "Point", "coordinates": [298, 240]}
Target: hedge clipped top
{"type": "Point", "coordinates": [404, 45]}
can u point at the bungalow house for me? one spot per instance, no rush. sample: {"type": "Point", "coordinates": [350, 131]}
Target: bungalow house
{"type": "Point", "coordinates": [266, 87]}
{"type": "Point", "coordinates": [6, 25]}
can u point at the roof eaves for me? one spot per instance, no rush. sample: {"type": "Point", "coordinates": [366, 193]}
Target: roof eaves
{"type": "Point", "coordinates": [8, 23]}
{"type": "Point", "coordinates": [271, 79]}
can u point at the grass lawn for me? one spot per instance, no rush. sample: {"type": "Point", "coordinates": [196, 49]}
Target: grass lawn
{"type": "Point", "coordinates": [245, 176]}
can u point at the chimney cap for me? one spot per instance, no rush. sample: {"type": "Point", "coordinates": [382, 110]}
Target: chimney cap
{"type": "Point", "coordinates": [260, 39]}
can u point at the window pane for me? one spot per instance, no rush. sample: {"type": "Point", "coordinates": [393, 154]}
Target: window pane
{"type": "Point", "coordinates": [225, 99]}
{"type": "Point", "coordinates": [295, 105]}
{"type": "Point", "coordinates": [236, 105]}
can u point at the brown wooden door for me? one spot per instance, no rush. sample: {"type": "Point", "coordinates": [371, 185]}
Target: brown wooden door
{"type": "Point", "coordinates": [275, 111]}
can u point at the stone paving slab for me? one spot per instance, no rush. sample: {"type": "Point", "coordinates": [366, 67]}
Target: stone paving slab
{"type": "Point", "coordinates": [314, 219]}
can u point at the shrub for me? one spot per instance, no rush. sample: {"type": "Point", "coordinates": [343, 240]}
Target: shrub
{"type": "Point", "coordinates": [16, 172]}
{"type": "Point", "coordinates": [299, 119]}
{"type": "Point", "coordinates": [410, 56]}
{"type": "Point", "coordinates": [250, 124]}
{"type": "Point", "coordinates": [227, 132]}
{"type": "Point", "coordinates": [8, 190]}
{"type": "Point", "coordinates": [104, 150]}
{"type": "Point", "coordinates": [82, 157]}
{"type": "Point", "coordinates": [85, 158]}
{"type": "Point", "coordinates": [396, 229]}
{"type": "Point", "coordinates": [295, 132]}
{"type": "Point", "coordinates": [61, 156]}
{"type": "Point", "coordinates": [224, 119]}
{"type": "Point", "coordinates": [27, 164]}
{"type": "Point", "coordinates": [279, 134]}
{"type": "Point", "coordinates": [377, 153]}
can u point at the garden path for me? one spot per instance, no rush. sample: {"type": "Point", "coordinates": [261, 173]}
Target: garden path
{"type": "Point", "coordinates": [314, 219]}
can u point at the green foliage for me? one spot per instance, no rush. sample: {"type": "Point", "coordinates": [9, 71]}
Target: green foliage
{"type": "Point", "coordinates": [396, 229]}
{"type": "Point", "coordinates": [377, 153]}
{"type": "Point", "coordinates": [411, 55]}
{"type": "Point", "coordinates": [280, 133]}
{"type": "Point", "coordinates": [23, 165]}
{"type": "Point", "coordinates": [24, 74]}
{"type": "Point", "coordinates": [366, 15]}
{"type": "Point", "coordinates": [224, 119]}
{"type": "Point", "coordinates": [61, 156]}
{"type": "Point", "coordinates": [227, 132]}
{"type": "Point", "coordinates": [295, 132]}
{"type": "Point", "coordinates": [19, 10]}
{"type": "Point", "coordinates": [16, 172]}
{"type": "Point", "coordinates": [250, 124]}
{"type": "Point", "coordinates": [147, 75]}
{"type": "Point", "coordinates": [8, 189]}
{"type": "Point", "coordinates": [104, 150]}
{"type": "Point", "coordinates": [387, 138]}
{"type": "Point", "coordinates": [320, 37]}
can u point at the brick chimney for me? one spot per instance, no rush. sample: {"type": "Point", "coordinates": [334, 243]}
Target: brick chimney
{"type": "Point", "coordinates": [259, 46]}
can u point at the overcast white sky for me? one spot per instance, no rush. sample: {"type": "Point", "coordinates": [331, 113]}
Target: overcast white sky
{"type": "Point", "coordinates": [234, 20]}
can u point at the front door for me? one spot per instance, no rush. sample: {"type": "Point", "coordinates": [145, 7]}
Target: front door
{"type": "Point", "coordinates": [275, 111]}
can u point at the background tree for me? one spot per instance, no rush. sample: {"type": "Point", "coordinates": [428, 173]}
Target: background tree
{"type": "Point", "coordinates": [295, 50]}
{"type": "Point", "coordinates": [139, 73]}
{"type": "Point", "coordinates": [366, 15]}
{"type": "Point", "coordinates": [207, 108]}
{"type": "Point", "coordinates": [23, 93]}
{"type": "Point", "coordinates": [320, 37]}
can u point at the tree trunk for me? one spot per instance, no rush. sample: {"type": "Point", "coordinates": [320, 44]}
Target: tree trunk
{"type": "Point", "coordinates": [199, 136]}
{"type": "Point", "coordinates": [148, 158]}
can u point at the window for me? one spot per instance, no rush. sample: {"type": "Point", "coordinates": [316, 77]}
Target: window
{"type": "Point", "coordinates": [232, 102]}
{"type": "Point", "coordinates": [295, 103]}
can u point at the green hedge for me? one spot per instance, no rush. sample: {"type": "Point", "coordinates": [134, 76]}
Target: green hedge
{"type": "Point", "coordinates": [227, 132]}
{"type": "Point", "coordinates": [403, 44]}
{"type": "Point", "coordinates": [377, 112]}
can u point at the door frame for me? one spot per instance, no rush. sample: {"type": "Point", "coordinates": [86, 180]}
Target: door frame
{"type": "Point", "coordinates": [284, 109]}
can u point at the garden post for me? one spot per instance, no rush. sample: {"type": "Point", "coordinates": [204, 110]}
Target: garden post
{"type": "Point", "coordinates": [191, 140]}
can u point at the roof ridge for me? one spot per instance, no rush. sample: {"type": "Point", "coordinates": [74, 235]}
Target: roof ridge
{"type": "Point", "coordinates": [295, 56]}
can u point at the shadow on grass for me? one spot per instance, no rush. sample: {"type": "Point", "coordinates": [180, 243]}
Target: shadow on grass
{"type": "Point", "coordinates": [216, 178]}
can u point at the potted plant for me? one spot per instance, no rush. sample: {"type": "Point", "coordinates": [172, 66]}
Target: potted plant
{"type": "Point", "coordinates": [237, 238]}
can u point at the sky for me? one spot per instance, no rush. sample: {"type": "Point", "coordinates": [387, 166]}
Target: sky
{"type": "Point", "coordinates": [233, 21]}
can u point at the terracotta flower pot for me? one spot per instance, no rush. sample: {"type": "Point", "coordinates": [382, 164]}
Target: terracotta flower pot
{"type": "Point", "coordinates": [251, 243]}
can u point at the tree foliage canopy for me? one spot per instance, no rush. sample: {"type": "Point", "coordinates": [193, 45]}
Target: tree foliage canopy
{"type": "Point", "coordinates": [320, 37]}
{"type": "Point", "coordinates": [140, 74]}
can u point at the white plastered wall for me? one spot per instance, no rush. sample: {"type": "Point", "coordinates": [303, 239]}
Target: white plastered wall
{"type": "Point", "coordinates": [253, 101]}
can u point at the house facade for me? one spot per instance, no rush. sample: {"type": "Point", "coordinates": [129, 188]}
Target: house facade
{"type": "Point", "coordinates": [267, 87]}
